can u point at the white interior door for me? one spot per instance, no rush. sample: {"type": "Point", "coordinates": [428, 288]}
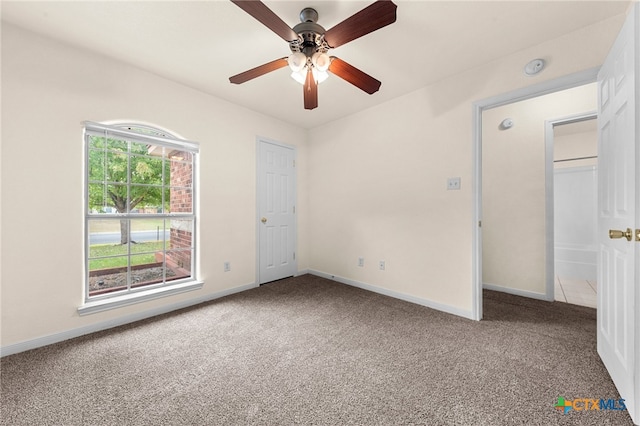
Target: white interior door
{"type": "Point", "coordinates": [276, 212]}
{"type": "Point", "coordinates": [618, 98]}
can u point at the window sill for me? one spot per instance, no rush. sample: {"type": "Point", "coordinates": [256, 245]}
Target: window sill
{"type": "Point", "coordinates": [138, 297]}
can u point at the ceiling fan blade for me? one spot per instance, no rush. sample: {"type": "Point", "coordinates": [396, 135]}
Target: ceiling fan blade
{"type": "Point", "coordinates": [310, 92]}
{"type": "Point", "coordinates": [258, 71]}
{"type": "Point", "coordinates": [371, 18]}
{"type": "Point", "coordinates": [354, 76]}
{"type": "Point", "coordinates": [262, 13]}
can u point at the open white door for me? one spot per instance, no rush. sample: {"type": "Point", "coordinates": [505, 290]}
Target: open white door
{"type": "Point", "coordinates": [276, 212]}
{"type": "Point", "coordinates": [618, 99]}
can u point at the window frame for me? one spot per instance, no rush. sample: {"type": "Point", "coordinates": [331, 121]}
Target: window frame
{"type": "Point", "coordinates": [150, 135]}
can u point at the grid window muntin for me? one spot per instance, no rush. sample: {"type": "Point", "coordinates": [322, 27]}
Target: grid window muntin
{"type": "Point", "coordinates": [171, 259]}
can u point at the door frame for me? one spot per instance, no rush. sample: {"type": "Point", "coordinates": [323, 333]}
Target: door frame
{"type": "Point", "coordinates": [549, 194]}
{"type": "Point", "coordinates": [544, 88]}
{"type": "Point", "coordinates": [259, 140]}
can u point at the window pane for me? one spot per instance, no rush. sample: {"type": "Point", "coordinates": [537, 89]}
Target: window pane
{"type": "Point", "coordinates": [101, 227]}
{"type": "Point", "coordinates": [181, 171]}
{"type": "Point", "coordinates": [96, 142]}
{"type": "Point", "coordinates": [96, 165]}
{"type": "Point", "coordinates": [98, 199]}
{"type": "Point", "coordinates": [117, 145]}
{"type": "Point", "coordinates": [180, 156]}
{"type": "Point", "coordinates": [107, 275]}
{"type": "Point", "coordinates": [117, 167]}
{"type": "Point", "coordinates": [146, 170]}
{"type": "Point", "coordinates": [99, 252]}
{"type": "Point", "coordinates": [180, 182]}
{"type": "Point", "coordinates": [180, 233]}
{"type": "Point", "coordinates": [136, 180]}
{"type": "Point", "coordinates": [179, 252]}
{"type": "Point", "coordinates": [107, 237]}
{"type": "Point", "coordinates": [139, 148]}
{"type": "Point", "coordinates": [146, 199]}
{"type": "Point", "coordinates": [148, 230]}
{"type": "Point", "coordinates": [180, 200]}
{"type": "Point", "coordinates": [178, 264]}
{"type": "Point", "coordinates": [108, 232]}
{"type": "Point", "coordinates": [146, 270]}
{"type": "Point", "coordinates": [116, 198]}
{"type": "Point", "coordinates": [108, 263]}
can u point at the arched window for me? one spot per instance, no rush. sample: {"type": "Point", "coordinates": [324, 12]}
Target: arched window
{"type": "Point", "coordinates": [139, 212]}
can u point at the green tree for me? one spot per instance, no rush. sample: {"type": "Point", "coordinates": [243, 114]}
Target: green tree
{"type": "Point", "coordinates": [124, 175]}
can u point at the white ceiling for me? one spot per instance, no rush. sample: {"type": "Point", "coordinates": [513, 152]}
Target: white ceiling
{"type": "Point", "coordinates": [202, 43]}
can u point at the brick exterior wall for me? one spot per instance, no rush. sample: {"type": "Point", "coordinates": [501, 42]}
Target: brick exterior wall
{"type": "Point", "coordinates": [181, 200]}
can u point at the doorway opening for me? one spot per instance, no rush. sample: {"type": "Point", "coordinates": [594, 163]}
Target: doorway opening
{"type": "Point", "coordinates": [520, 228]}
{"type": "Point", "coordinates": [574, 141]}
{"type": "Point", "coordinates": [518, 172]}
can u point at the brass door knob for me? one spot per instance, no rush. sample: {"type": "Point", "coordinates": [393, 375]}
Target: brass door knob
{"type": "Point", "coordinates": [615, 233]}
{"type": "Point", "coordinates": [263, 220]}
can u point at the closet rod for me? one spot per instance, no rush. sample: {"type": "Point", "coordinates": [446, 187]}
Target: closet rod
{"type": "Point", "coordinates": [574, 159]}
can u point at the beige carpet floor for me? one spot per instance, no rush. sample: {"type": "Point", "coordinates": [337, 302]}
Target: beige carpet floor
{"type": "Point", "coordinates": [307, 350]}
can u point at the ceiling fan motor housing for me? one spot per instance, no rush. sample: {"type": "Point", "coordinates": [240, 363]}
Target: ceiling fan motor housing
{"type": "Point", "coordinates": [308, 14]}
{"type": "Point", "coordinates": [310, 34]}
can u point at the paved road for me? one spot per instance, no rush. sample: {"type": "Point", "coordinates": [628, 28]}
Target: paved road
{"type": "Point", "coordinates": [114, 237]}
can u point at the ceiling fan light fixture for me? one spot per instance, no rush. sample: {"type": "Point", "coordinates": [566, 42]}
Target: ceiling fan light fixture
{"type": "Point", "coordinates": [319, 75]}
{"type": "Point", "coordinates": [321, 61]}
{"type": "Point", "coordinates": [297, 61]}
{"type": "Point", "coordinates": [299, 76]}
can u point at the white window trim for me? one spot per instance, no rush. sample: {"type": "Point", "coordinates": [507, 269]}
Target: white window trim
{"type": "Point", "coordinates": [91, 306]}
{"type": "Point", "coordinates": [170, 141]}
{"type": "Point", "coordinates": [138, 297]}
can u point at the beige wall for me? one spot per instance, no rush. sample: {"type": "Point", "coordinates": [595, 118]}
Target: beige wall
{"type": "Point", "coordinates": [372, 184]}
{"type": "Point", "coordinates": [575, 145]}
{"type": "Point", "coordinates": [377, 179]}
{"type": "Point", "coordinates": [48, 89]}
{"type": "Point", "coordinates": [513, 187]}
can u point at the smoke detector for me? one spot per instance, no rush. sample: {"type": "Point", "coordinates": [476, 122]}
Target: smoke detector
{"type": "Point", "coordinates": [534, 67]}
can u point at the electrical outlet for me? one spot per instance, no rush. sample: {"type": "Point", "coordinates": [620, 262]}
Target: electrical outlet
{"type": "Point", "coordinates": [381, 265]}
{"type": "Point", "coordinates": [453, 183]}
{"type": "Point", "coordinates": [361, 262]}
{"type": "Point", "coordinates": [227, 266]}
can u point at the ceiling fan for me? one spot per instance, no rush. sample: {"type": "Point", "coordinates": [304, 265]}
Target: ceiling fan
{"type": "Point", "coordinates": [309, 43]}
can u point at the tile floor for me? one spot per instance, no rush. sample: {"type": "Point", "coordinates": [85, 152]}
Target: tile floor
{"type": "Point", "coordinates": [575, 291]}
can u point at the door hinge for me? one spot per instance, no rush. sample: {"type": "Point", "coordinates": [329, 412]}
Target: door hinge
{"type": "Point", "coordinates": [479, 224]}
{"type": "Point", "coordinates": [294, 209]}
{"type": "Point", "coordinates": [294, 255]}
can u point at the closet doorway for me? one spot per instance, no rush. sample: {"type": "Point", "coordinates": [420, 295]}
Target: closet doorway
{"type": "Point", "coordinates": [575, 199]}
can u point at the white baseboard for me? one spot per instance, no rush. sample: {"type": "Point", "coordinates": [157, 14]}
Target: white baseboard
{"type": "Point", "coordinates": [81, 331]}
{"type": "Point", "coordinates": [406, 297]}
{"type": "Point", "coordinates": [301, 272]}
{"type": "Point", "coordinates": [517, 292]}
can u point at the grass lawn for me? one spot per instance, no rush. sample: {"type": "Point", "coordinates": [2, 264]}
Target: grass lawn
{"type": "Point", "coordinates": [113, 225]}
{"type": "Point", "coordinates": [98, 253]}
